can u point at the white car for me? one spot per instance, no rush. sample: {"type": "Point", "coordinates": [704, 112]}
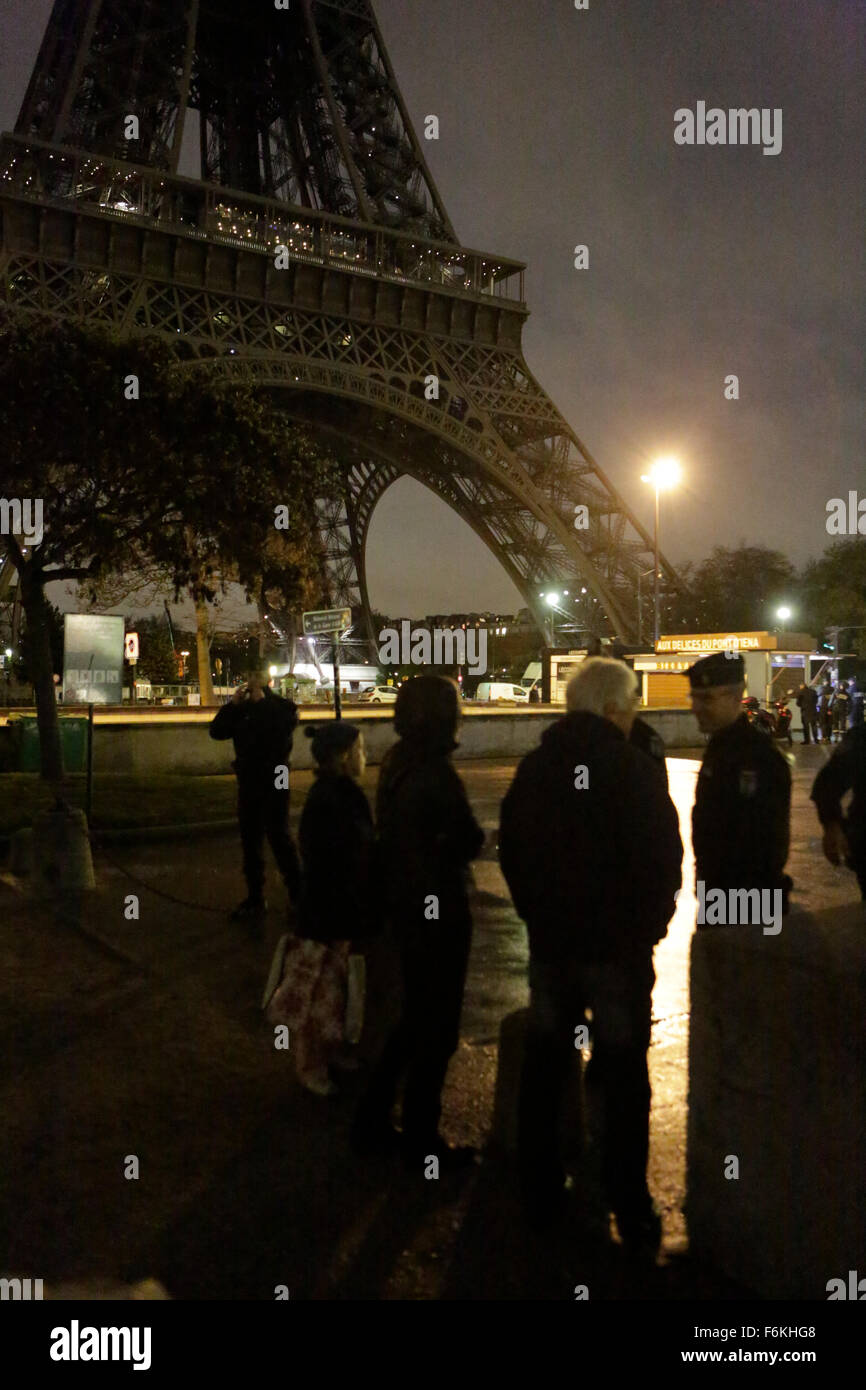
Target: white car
{"type": "Point", "coordinates": [380, 695]}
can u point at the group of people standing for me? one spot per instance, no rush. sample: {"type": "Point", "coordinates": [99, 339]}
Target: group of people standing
{"type": "Point", "coordinates": [590, 847]}
{"type": "Point", "coordinates": [830, 709]}
{"type": "Point", "coordinates": [410, 872]}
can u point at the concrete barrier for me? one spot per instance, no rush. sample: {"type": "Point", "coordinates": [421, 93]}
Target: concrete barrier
{"type": "Point", "coordinates": [777, 1066]}
{"type": "Point", "coordinates": [177, 741]}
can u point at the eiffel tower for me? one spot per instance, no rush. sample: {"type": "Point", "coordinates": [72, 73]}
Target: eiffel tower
{"type": "Point", "coordinates": [313, 257]}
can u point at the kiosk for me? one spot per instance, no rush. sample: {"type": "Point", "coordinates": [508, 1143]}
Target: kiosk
{"type": "Point", "coordinates": [777, 664]}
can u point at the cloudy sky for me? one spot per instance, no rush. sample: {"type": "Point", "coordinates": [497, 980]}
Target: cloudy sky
{"type": "Point", "coordinates": [557, 128]}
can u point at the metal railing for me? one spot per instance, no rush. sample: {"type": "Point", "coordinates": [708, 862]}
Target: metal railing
{"type": "Point", "coordinates": [131, 193]}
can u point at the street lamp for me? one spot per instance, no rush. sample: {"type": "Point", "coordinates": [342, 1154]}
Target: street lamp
{"type": "Point", "coordinates": [552, 601]}
{"type": "Point", "coordinates": [783, 614]}
{"type": "Point", "coordinates": [665, 473]}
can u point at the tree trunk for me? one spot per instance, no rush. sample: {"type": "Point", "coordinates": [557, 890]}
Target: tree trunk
{"type": "Point", "coordinates": [37, 612]}
{"type": "Point", "coordinates": [202, 651]}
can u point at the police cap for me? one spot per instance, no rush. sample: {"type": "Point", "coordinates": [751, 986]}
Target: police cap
{"type": "Point", "coordinates": [722, 668]}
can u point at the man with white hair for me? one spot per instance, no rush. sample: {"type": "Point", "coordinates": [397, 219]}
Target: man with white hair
{"type": "Point", "coordinates": [590, 848]}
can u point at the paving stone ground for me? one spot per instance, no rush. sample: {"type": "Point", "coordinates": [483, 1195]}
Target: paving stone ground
{"type": "Point", "coordinates": [145, 1038]}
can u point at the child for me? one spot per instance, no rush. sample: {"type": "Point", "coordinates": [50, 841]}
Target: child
{"type": "Point", "coordinates": [336, 843]}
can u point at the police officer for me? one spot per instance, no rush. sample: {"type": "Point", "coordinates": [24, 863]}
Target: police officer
{"type": "Point", "coordinates": [261, 725]}
{"type": "Point", "coordinates": [741, 816]}
{"type": "Point", "coordinates": [841, 710]}
{"type": "Point", "coordinates": [825, 712]}
{"type": "Point", "coordinates": [845, 771]}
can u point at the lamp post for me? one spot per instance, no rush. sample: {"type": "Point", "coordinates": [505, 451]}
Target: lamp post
{"type": "Point", "coordinates": [641, 574]}
{"type": "Point", "coordinates": [552, 601]}
{"type": "Point", "coordinates": [664, 473]}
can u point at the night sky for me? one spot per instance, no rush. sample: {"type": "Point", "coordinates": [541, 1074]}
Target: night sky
{"type": "Point", "coordinates": [557, 128]}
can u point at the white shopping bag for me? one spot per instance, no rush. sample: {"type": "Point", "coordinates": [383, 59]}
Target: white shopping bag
{"type": "Point", "coordinates": [275, 974]}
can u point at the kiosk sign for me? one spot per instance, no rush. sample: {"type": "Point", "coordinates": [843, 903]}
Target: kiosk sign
{"type": "Point", "coordinates": [706, 642]}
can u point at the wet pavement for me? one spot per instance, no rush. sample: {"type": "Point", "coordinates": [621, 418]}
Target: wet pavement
{"type": "Point", "coordinates": [144, 1037]}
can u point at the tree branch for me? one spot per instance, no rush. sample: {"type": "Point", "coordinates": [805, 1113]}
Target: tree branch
{"type": "Point", "coordinates": [52, 576]}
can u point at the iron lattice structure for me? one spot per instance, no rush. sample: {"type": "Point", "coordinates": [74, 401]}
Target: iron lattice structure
{"type": "Point", "coordinates": [368, 309]}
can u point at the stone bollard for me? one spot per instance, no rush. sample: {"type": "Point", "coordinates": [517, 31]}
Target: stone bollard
{"type": "Point", "coordinates": [776, 1161]}
{"type": "Point", "coordinates": [62, 866]}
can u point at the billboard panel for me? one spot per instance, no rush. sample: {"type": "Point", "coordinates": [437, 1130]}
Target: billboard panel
{"type": "Point", "coordinates": [92, 659]}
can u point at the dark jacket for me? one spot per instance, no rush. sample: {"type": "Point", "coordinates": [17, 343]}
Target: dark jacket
{"type": "Point", "coordinates": [807, 699]}
{"type": "Point", "coordinates": [742, 812]}
{"type": "Point", "coordinates": [644, 737]}
{"type": "Point", "coordinates": [593, 870]}
{"type": "Point", "coordinates": [845, 772]}
{"type": "Point", "coordinates": [262, 732]}
{"type": "Point", "coordinates": [427, 838]}
{"type": "Point", "coordinates": [338, 883]}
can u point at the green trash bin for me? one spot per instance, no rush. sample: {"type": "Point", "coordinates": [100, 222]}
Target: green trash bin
{"type": "Point", "coordinates": [73, 743]}
{"type": "Point", "coordinates": [27, 737]}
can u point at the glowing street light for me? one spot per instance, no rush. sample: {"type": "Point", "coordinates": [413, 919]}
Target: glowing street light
{"type": "Point", "coordinates": [665, 473]}
{"type": "Point", "coordinates": [783, 614]}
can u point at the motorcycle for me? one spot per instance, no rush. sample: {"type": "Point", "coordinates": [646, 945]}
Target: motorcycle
{"type": "Point", "coordinates": [774, 720]}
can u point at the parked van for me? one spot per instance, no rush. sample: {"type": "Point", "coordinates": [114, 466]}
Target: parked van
{"type": "Point", "coordinates": [490, 691]}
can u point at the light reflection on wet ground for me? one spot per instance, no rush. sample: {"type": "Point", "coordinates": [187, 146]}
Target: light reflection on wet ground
{"type": "Point", "coordinates": [497, 977]}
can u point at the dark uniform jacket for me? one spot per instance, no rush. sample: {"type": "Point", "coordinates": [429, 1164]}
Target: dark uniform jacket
{"type": "Point", "coordinates": [742, 812]}
{"type": "Point", "coordinates": [262, 732]}
{"type": "Point", "coordinates": [427, 838]}
{"type": "Point", "coordinates": [593, 870]}
{"type": "Point", "coordinates": [338, 884]}
{"type": "Point", "coordinates": [845, 771]}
